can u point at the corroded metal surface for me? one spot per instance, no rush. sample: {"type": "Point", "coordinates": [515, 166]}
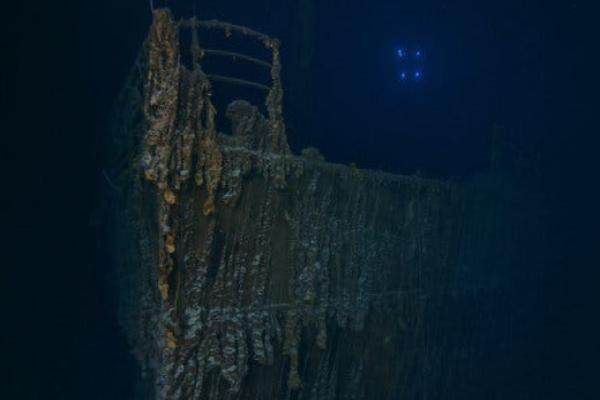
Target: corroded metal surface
{"type": "Point", "coordinates": [273, 276]}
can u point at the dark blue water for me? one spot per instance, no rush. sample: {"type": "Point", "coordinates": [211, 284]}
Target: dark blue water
{"type": "Point", "coordinates": [524, 67]}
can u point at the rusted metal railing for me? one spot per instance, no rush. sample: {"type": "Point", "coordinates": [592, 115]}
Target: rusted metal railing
{"type": "Point", "coordinates": [274, 99]}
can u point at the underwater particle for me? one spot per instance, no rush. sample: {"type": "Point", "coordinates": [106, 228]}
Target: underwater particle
{"type": "Point", "coordinates": [400, 53]}
{"type": "Point", "coordinates": [403, 75]}
{"type": "Point", "coordinates": [418, 75]}
{"type": "Point", "coordinates": [418, 54]}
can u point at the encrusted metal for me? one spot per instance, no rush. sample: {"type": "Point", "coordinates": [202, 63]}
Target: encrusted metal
{"type": "Point", "coordinates": [251, 273]}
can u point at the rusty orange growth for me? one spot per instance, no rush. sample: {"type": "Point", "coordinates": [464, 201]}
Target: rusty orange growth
{"type": "Point", "coordinates": [181, 127]}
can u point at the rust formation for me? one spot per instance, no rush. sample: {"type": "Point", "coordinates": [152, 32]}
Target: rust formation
{"type": "Point", "coordinates": [247, 272]}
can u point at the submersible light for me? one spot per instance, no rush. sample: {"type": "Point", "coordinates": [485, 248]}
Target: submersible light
{"type": "Point", "coordinates": [411, 61]}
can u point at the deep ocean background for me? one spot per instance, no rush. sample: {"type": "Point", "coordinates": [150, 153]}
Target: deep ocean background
{"type": "Point", "coordinates": [524, 66]}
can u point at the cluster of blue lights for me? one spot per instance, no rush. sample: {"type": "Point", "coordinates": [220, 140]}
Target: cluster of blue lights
{"type": "Point", "coordinates": [403, 54]}
{"type": "Point", "coordinates": [411, 65]}
{"type": "Point", "coordinates": [416, 75]}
